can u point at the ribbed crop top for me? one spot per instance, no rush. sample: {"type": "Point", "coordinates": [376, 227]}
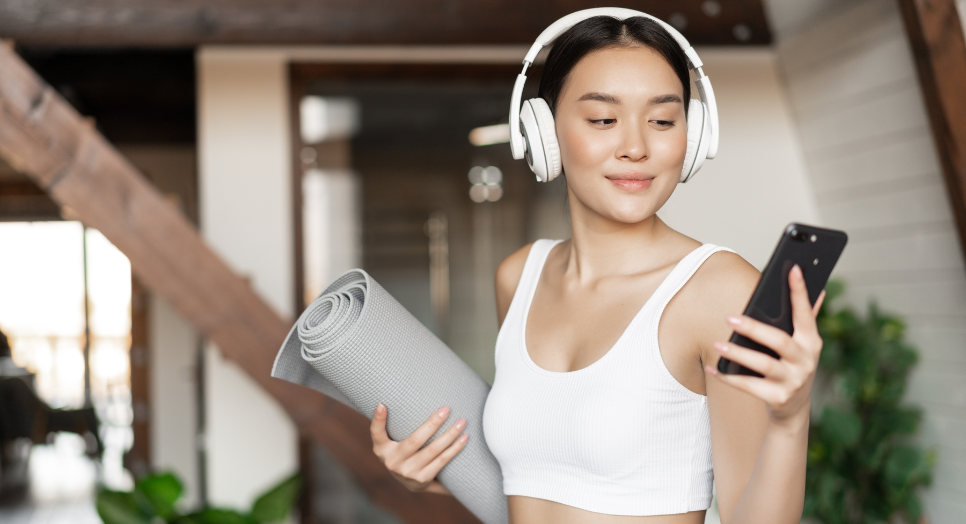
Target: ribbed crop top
{"type": "Point", "coordinates": [621, 436]}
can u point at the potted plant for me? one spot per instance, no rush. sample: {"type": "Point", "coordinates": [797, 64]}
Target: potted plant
{"type": "Point", "coordinates": [864, 465]}
{"type": "Point", "coordinates": [154, 500]}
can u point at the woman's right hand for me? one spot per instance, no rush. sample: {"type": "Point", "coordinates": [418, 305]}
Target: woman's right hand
{"type": "Point", "coordinates": [417, 468]}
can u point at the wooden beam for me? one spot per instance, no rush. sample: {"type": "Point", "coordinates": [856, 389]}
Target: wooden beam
{"type": "Point", "coordinates": [43, 136]}
{"type": "Point", "coordinates": [939, 46]}
{"type": "Point", "coordinates": [188, 23]}
{"type": "Point", "coordinates": [138, 459]}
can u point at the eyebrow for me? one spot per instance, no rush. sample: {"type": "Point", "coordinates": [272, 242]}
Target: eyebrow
{"type": "Point", "coordinates": [600, 97]}
{"type": "Point", "coordinates": [664, 99]}
{"type": "Point", "coordinates": [611, 99]}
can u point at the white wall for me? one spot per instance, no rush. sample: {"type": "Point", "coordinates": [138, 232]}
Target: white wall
{"type": "Point", "coordinates": [245, 203]}
{"type": "Point", "coordinates": [852, 82]}
{"type": "Point", "coordinates": [757, 183]}
{"type": "Point", "coordinates": [174, 345]}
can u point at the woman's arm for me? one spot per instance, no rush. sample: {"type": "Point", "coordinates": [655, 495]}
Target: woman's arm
{"type": "Point", "coordinates": [759, 426]}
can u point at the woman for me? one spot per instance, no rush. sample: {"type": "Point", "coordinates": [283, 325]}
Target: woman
{"type": "Point", "coordinates": [607, 405]}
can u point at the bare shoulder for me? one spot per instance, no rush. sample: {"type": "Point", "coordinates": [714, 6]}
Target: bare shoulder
{"type": "Point", "coordinates": [507, 277]}
{"type": "Point", "coordinates": [720, 287]}
{"type": "Point", "coordinates": [726, 274]}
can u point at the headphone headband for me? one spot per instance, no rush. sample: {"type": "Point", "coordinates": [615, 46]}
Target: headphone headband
{"type": "Point", "coordinates": [547, 37]}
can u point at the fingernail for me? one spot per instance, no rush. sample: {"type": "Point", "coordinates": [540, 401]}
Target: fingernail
{"type": "Point", "coordinates": [380, 408]}
{"type": "Point", "coordinates": [464, 437]}
{"type": "Point", "coordinates": [733, 320]}
{"type": "Point", "coordinates": [443, 411]}
{"type": "Point", "coordinates": [711, 370]}
{"type": "Point", "coordinates": [797, 269]}
{"type": "Point", "coordinates": [460, 423]}
{"type": "Point", "coordinates": [721, 346]}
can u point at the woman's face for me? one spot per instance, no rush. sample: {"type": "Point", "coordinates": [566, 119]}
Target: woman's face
{"type": "Point", "coordinates": [622, 131]}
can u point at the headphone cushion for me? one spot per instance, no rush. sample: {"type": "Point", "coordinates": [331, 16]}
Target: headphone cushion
{"type": "Point", "coordinates": [548, 137]}
{"type": "Point", "coordinates": [699, 139]}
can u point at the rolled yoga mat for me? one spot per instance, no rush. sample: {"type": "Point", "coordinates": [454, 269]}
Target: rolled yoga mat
{"type": "Point", "coordinates": [358, 345]}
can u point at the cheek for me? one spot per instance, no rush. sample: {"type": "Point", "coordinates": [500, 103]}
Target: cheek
{"type": "Point", "coordinates": [669, 148]}
{"type": "Point", "coordinates": [582, 147]}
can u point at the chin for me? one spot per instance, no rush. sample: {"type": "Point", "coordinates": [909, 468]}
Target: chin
{"type": "Point", "coordinates": [631, 213]}
{"type": "Point", "coordinates": [631, 218]}
{"type": "Point", "coordinates": [611, 203]}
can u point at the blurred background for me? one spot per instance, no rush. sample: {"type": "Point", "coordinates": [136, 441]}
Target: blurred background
{"type": "Point", "coordinates": [305, 138]}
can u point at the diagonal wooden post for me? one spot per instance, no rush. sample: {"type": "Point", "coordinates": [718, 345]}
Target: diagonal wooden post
{"type": "Point", "coordinates": [936, 36]}
{"type": "Point", "coordinates": [42, 136]}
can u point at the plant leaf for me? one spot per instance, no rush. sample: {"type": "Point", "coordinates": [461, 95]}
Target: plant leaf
{"type": "Point", "coordinates": [274, 505]}
{"type": "Point", "coordinates": [162, 492]}
{"type": "Point", "coordinates": [842, 428]}
{"type": "Point", "coordinates": [221, 516]}
{"type": "Point", "coordinates": [120, 507]}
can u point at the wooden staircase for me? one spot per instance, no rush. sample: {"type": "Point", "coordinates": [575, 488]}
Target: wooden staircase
{"type": "Point", "coordinates": [42, 136]}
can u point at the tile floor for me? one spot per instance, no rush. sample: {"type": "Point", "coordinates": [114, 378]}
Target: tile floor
{"type": "Point", "coordinates": [62, 482]}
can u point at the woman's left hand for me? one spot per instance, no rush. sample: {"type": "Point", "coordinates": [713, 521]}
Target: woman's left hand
{"type": "Point", "coordinates": [787, 382]}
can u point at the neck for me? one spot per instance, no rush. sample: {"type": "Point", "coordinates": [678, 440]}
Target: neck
{"type": "Point", "coordinates": [603, 247]}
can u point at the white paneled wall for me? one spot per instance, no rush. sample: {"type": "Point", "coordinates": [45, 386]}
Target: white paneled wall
{"type": "Point", "coordinates": [863, 126]}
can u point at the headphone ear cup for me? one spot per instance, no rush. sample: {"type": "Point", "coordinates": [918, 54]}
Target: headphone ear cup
{"type": "Point", "coordinates": [699, 138]}
{"type": "Point", "coordinates": [542, 152]}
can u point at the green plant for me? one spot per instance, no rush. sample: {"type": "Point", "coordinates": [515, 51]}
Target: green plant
{"type": "Point", "coordinates": [863, 464]}
{"type": "Point", "coordinates": [154, 500]}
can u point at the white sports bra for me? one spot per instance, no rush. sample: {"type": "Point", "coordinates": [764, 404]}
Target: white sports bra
{"type": "Point", "coordinates": [620, 436]}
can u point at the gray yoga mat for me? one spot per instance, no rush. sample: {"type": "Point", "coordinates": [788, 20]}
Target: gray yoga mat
{"type": "Point", "coordinates": [358, 345]}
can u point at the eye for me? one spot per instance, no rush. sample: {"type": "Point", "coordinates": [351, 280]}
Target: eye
{"type": "Point", "coordinates": [603, 121]}
{"type": "Point", "coordinates": [664, 123]}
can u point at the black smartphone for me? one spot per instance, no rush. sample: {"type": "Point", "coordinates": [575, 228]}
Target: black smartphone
{"type": "Point", "coordinates": [815, 250]}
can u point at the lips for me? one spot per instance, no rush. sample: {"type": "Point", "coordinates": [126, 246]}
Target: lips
{"type": "Point", "coordinates": [631, 182]}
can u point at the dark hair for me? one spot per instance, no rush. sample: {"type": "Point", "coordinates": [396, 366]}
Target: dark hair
{"type": "Point", "coordinates": [601, 32]}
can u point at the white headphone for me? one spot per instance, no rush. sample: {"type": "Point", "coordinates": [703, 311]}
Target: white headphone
{"type": "Point", "coordinates": [532, 132]}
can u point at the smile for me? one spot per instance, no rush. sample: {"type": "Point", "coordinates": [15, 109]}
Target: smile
{"type": "Point", "coordinates": [631, 182]}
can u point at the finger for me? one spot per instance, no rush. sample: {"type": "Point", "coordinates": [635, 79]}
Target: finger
{"type": "Point", "coordinates": [377, 428]}
{"type": "Point", "coordinates": [767, 365]}
{"type": "Point", "coordinates": [432, 469]}
{"type": "Point", "coordinates": [768, 336]}
{"type": "Point", "coordinates": [759, 388]}
{"type": "Point", "coordinates": [818, 303]}
{"type": "Point", "coordinates": [419, 437]}
{"type": "Point", "coordinates": [802, 317]}
{"type": "Point", "coordinates": [431, 451]}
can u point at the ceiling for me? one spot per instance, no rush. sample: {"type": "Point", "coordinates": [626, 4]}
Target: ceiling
{"type": "Point", "coordinates": [189, 23]}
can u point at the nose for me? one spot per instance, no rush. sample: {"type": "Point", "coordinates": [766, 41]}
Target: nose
{"type": "Point", "coordinates": [633, 145]}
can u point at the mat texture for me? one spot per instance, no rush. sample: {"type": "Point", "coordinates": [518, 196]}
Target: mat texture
{"type": "Point", "coordinates": [357, 344]}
